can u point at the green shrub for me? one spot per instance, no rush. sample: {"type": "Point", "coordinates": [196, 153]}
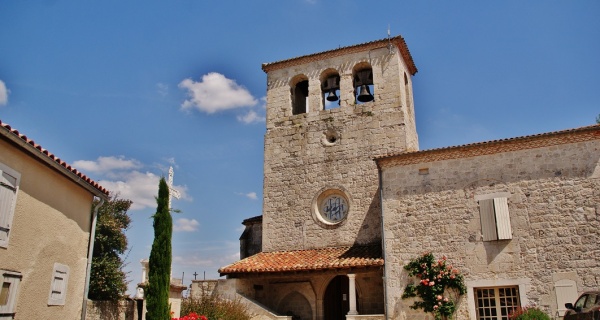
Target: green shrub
{"type": "Point", "coordinates": [215, 308]}
{"type": "Point", "coordinates": [528, 313]}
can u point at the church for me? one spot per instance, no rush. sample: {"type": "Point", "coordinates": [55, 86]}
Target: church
{"type": "Point", "coordinates": [349, 199]}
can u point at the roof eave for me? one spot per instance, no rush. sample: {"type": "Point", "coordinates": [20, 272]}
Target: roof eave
{"type": "Point", "coordinates": [398, 41]}
{"type": "Point", "coordinates": [238, 274]}
{"type": "Point", "coordinates": [39, 155]}
{"type": "Point", "coordinates": [489, 144]}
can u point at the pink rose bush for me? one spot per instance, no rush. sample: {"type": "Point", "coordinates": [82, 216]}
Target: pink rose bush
{"type": "Point", "coordinates": [191, 316]}
{"type": "Point", "coordinates": [439, 288]}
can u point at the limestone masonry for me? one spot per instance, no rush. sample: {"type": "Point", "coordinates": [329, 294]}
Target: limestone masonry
{"type": "Point", "coordinates": [349, 200]}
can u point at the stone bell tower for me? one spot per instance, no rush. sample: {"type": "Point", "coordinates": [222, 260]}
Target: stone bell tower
{"type": "Point", "coordinates": [328, 115]}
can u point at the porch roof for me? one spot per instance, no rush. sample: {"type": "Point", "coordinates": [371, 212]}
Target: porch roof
{"type": "Point", "coordinates": [307, 260]}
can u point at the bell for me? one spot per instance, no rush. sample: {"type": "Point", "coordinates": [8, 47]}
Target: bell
{"type": "Point", "coordinates": [332, 96]}
{"type": "Point", "coordinates": [365, 94]}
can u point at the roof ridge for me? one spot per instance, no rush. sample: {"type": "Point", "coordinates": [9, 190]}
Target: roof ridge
{"type": "Point", "coordinates": [491, 142]}
{"type": "Point", "coordinates": [397, 40]}
{"type": "Point", "coordinates": [45, 153]}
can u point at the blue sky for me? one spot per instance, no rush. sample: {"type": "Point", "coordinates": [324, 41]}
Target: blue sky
{"type": "Point", "coordinates": [125, 89]}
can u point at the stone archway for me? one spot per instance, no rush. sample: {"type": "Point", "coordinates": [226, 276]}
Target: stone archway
{"type": "Point", "coordinates": [297, 306]}
{"type": "Point", "coordinates": [336, 299]}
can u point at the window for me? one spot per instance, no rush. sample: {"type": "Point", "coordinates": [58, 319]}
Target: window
{"type": "Point", "coordinates": [58, 286]}
{"type": "Point", "coordinates": [300, 96]}
{"type": "Point", "coordinates": [586, 301]}
{"type": "Point", "coordinates": [496, 303]}
{"type": "Point", "coordinates": [8, 292]}
{"type": "Point", "coordinates": [9, 185]}
{"type": "Point", "coordinates": [330, 89]}
{"type": "Point", "coordinates": [495, 221]}
{"type": "Point", "coordinates": [363, 85]}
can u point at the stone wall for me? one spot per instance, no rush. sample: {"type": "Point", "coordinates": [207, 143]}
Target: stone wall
{"type": "Point", "coordinates": [308, 153]}
{"type": "Point", "coordinates": [554, 204]}
{"type": "Point", "coordinates": [112, 310]}
{"type": "Point", "coordinates": [200, 288]}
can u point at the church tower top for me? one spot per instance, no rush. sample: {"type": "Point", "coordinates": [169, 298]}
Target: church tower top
{"type": "Point", "coordinates": [396, 41]}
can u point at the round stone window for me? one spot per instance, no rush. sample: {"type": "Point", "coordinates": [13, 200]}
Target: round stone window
{"type": "Point", "coordinates": [331, 207]}
{"type": "Point", "coordinates": [330, 137]}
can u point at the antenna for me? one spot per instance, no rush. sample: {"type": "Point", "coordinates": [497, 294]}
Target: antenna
{"type": "Point", "coordinates": [389, 39]}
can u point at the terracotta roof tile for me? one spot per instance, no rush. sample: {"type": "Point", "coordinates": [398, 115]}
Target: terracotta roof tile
{"type": "Point", "coordinates": [308, 260]}
{"type": "Point", "coordinates": [492, 147]}
{"type": "Point", "coordinates": [45, 153]}
{"type": "Point", "coordinates": [398, 41]}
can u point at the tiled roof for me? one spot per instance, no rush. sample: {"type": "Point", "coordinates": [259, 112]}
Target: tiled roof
{"type": "Point", "coordinates": [308, 260]}
{"type": "Point", "coordinates": [495, 146]}
{"type": "Point", "coordinates": [43, 153]}
{"type": "Point", "coordinates": [398, 41]}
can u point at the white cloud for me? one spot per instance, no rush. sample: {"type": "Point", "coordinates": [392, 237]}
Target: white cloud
{"type": "Point", "coordinates": [251, 117]}
{"type": "Point", "coordinates": [215, 93]}
{"type": "Point", "coordinates": [187, 225]}
{"type": "Point", "coordinates": [123, 177]}
{"type": "Point", "coordinates": [3, 93]}
{"type": "Point", "coordinates": [192, 260]}
{"type": "Point", "coordinates": [141, 188]}
{"type": "Point", "coordinates": [162, 89]}
{"type": "Point", "coordinates": [107, 164]}
{"type": "Point", "coordinates": [249, 195]}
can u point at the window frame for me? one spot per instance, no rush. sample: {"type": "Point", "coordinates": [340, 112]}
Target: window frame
{"type": "Point", "coordinates": [60, 271]}
{"type": "Point", "coordinates": [522, 283]}
{"type": "Point", "coordinates": [14, 278]}
{"type": "Point", "coordinates": [8, 202]}
{"type": "Point", "coordinates": [497, 299]}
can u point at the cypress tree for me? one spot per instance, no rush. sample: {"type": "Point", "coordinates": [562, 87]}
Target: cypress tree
{"type": "Point", "coordinates": [157, 291]}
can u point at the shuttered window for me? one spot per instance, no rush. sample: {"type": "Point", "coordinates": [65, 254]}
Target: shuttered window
{"type": "Point", "coordinates": [495, 220]}
{"type": "Point", "coordinates": [9, 289]}
{"type": "Point", "coordinates": [58, 286]}
{"type": "Point", "coordinates": [9, 185]}
{"type": "Point", "coordinates": [566, 292]}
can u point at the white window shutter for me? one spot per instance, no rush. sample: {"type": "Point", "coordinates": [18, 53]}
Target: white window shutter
{"type": "Point", "coordinates": [488, 220]}
{"type": "Point", "coordinates": [566, 291]}
{"type": "Point", "coordinates": [58, 286]}
{"type": "Point", "coordinates": [8, 191]}
{"type": "Point", "coordinates": [502, 219]}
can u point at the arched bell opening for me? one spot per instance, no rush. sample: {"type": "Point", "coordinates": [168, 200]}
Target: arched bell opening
{"type": "Point", "coordinates": [330, 89]}
{"type": "Point", "coordinates": [299, 94]}
{"type": "Point", "coordinates": [363, 83]}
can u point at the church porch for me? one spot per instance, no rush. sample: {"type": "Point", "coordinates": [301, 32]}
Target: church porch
{"type": "Point", "coordinates": [326, 283]}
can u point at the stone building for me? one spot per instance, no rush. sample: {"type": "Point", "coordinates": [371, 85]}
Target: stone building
{"type": "Point", "coordinates": [518, 216]}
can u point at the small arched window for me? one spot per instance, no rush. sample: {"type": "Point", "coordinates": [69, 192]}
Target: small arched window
{"type": "Point", "coordinates": [363, 84]}
{"type": "Point", "coordinates": [299, 93]}
{"type": "Point", "coordinates": [330, 89]}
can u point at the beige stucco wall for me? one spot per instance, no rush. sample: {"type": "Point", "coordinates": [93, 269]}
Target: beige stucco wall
{"type": "Point", "coordinates": [299, 165]}
{"type": "Point", "coordinates": [50, 225]}
{"type": "Point", "coordinates": [554, 204]}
